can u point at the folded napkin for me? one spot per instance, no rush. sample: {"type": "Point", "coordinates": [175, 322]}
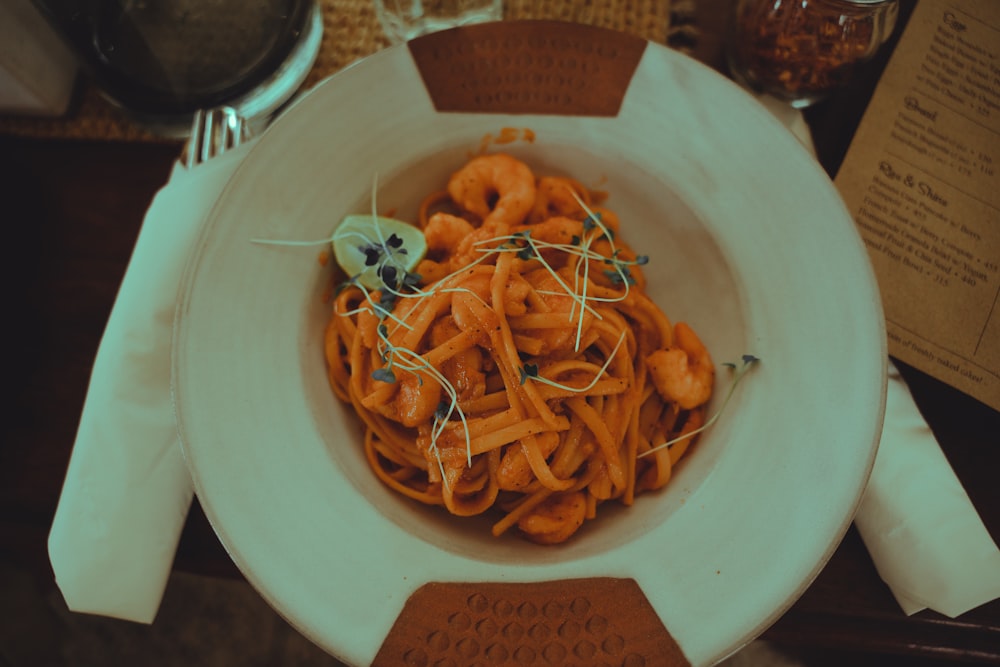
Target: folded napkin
{"type": "Point", "coordinates": [127, 490]}
{"type": "Point", "coordinates": [928, 543]}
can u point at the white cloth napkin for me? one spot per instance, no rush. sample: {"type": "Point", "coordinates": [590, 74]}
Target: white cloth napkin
{"type": "Point", "coordinates": [127, 490]}
{"type": "Point", "coordinates": [928, 543]}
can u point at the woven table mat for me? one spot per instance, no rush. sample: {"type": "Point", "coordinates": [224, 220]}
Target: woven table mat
{"type": "Point", "coordinates": [351, 31]}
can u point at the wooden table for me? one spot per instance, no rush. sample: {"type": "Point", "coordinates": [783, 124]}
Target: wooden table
{"type": "Point", "coordinates": [71, 214]}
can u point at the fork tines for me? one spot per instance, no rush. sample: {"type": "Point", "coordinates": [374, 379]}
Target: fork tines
{"type": "Point", "coordinates": [213, 132]}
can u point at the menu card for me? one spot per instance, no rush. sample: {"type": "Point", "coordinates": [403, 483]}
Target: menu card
{"type": "Point", "coordinates": [922, 180]}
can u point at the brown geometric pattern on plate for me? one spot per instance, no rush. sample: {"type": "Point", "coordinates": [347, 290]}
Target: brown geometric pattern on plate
{"type": "Point", "coordinates": [585, 622]}
{"type": "Point", "coordinates": [540, 67]}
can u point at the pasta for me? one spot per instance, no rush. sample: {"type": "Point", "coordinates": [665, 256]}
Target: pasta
{"type": "Point", "coordinates": [520, 368]}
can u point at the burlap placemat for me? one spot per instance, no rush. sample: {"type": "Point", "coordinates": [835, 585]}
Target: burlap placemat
{"type": "Point", "coordinates": [352, 31]}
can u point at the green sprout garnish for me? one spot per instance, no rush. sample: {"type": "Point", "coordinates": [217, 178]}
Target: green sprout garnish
{"type": "Point", "coordinates": [531, 371]}
{"type": "Point", "coordinates": [528, 371]}
{"type": "Point", "coordinates": [384, 374]}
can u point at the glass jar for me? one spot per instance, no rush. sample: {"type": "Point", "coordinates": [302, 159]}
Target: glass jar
{"type": "Point", "coordinates": [800, 50]}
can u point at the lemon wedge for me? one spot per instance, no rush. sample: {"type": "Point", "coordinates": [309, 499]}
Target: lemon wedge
{"type": "Point", "coordinates": [363, 243]}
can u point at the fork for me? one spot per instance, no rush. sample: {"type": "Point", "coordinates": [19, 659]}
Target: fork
{"type": "Point", "coordinates": [213, 132]}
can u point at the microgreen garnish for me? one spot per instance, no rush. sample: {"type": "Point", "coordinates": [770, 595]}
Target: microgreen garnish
{"type": "Point", "coordinates": [531, 371]}
{"type": "Point", "coordinates": [372, 254]}
{"type": "Point", "coordinates": [387, 302]}
{"type": "Point", "coordinates": [620, 276]}
{"type": "Point", "coordinates": [388, 273]}
{"type": "Point", "coordinates": [443, 411]}
{"type": "Point", "coordinates": [384, 374]}
{"type": "Point", "coordinates": [749, 361]}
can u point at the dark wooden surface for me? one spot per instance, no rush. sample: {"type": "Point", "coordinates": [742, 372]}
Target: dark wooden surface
{"type": "Point", "coordinates": [71, 212]}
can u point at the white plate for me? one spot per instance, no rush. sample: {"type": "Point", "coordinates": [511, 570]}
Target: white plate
{"type": "Point", "coordinates": [749, 242]}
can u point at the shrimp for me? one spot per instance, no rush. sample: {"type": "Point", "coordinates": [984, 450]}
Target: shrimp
{"type": "Point", "coordinates": [555, 519]}
{"type": "Point", "coordinates": [498, 176]}
{"type": "Point", "coordinates": [684, 372]}
{"type": "Point", "coordinates": [416, 400]}
{"type": "Point", "coordinates": [515, 295]}
{"type": "Point", "coordinates": [556, 198]}
{"type": "Point", "coordinates": [445, 232]}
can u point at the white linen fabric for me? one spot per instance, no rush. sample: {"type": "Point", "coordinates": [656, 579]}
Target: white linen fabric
{"type": "Point", "coordinates": [923, 533]}
{"type": "Point", "coordinates": [127, 490]}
